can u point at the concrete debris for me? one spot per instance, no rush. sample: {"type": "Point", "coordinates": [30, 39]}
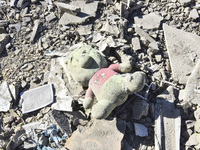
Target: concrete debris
{"type": "Point", "coordinates": [5, 97]}
{"type": "Point", "coordinates": [139, 109]}
{"type": "Point", "coordinates": [87, 10]}
{"type": "Point", "coordinates": [4, 39]}
{"type": "Point", "coordinates": [140, 130]}
{"type": "Point", "coordinates": [84, 29]}
{"type": "Point", "coordinates": [74, 10]}
{"type": "Point", "coordinates": [77, 118]}
{"type": "Point", "coordinates": [3, 23]}
{"type": "Point", "coordinates": [153, 20]}
{"type": "Point", "coordinates": [101, 134]}
{"type": "Point", "coordinates": [167, 121]}
{"type": "Point", "coordinates": [111, 29]}
{"type": "Point", "coordinates": [190, 95]}
{"type": "Point", "coordinates": [14, 90]}
{"type": "Point", "coordinates": [96, 37]}
{"type": "Point", "coordinates": [136, 44]}
{"type": "Point", "coordinates": [152, 43]}
{"type": "Point", "coordinates": [50, 17]}
{"type": "Point", "coordinates": [63, 105]}
{"type": "Point", "coordinates": [61, 121]}
{"type": "Point", "coordinates": [185, 2]}
{"type": "Point", "coordinates": [18, 138]}
{"type": "Point", "coordinates": [183, 49]}
{"type": "Point", "coordinates": [37, 98]}
{"type": "Point", "coordinates": [30, 127]}
{"type": "Point", "coordinates": [35, 30]}
{"type": "Point", "coordinates": [194, 14]}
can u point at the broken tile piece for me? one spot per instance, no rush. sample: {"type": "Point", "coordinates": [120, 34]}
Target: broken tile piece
{"type": "Point", "coordinates": [37, 98]}
{"type": "Point", "coordinates": [149, 21]}
{"type": "Point", "coordinates": [192, 88]}
{"type": "Point", "coordinates": [167, 121]}
{"type": "Point", "coordinates": [183, 49]}
{"type": "Point", "coordinates": [140, 130]}
{"type": "Point", "coordinates": [5, 97]}
{"type": "Point", "coordinates": [98, 135]}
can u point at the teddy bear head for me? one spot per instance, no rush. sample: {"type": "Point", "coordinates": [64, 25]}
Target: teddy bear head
{"type": "Point", "coordinates": [132, 83]}
{"type": "Point", "coordinates": [84, 62]}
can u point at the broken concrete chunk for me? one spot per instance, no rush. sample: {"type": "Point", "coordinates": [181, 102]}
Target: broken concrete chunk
{"type": "Point", "coordinates": [5, 97]}
{"type": "Point", "coordinates": [14, 90]}
{"type": "Point", "coordinates": [139, 109]}
{"type": "Point", "coordinates": [74, 10]}
{"type": "Point", "coordinates": [35, 30]}
{"type": "Point", "coordinates": [194, 14]}
{"type": "Point", "coordinates": [84, 29]}
{"type": "Point", "coordinates": [192, 140]}
{"type": "Point", "coordinates": [192, 88]}
{"type": "Point", "coordinates": [63, 105]}
{"type": "Point", "coordinates": [185, 2]}
{"type": "Point", "coordinates": [37, 98]}
{"type": "Point", "coordinates": [149, 21]}
{"type": "Point", "coordinates": [140, 130]}
{"type": "Point", "coordinates": [30, 127]}
{"type": "Point", "coordinates": [87, 10]}
{"type": "Point", "coordinates": [4, 39]}
{"type": "Point", "coordinates": [153, 44]}
{"type": "Point", "coordinates": [3, 23]}
{"type": "Point", "coordinates": [183, 49]}
{"type": "Point", "coordinates": [167, 121]}
{"type": "Point", "coordinates": [50, 17]}
{"type": "Point", "coordinates": [71, 19]}
{"type": "Point", "coordinates": [136, 44]}
{"type": "Point", "coordinates": [111, 29]}
{"type": "Point", "coordinates": [101, 134]}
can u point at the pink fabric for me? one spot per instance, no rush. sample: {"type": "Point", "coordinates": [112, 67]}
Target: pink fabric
{"type": "Point", "coordinates": [100, 77]}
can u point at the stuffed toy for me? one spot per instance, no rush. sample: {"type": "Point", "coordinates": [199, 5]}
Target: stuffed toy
{"type": "Point", "coordinates": [83, 63]}
{"type": "Point", "coordinates": [111, 89]}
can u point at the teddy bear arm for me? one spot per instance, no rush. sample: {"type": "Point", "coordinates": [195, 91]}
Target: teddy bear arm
{"type": "Point", "coordinates": [89, 98]}
{"type": "Point", "coordinates": [121, 68]}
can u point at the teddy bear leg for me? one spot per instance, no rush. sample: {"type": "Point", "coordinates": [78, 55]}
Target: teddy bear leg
{"type": "Point", "coordinates": [102, 109]}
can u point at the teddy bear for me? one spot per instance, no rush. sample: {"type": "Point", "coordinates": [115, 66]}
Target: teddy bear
{"type": "Point", "coordinates": [83, 63]}
{"type": "Point", "coordinates": [111, 89]}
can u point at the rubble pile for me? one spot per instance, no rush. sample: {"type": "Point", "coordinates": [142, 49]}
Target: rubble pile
{"type": "Point", "coordinates": [41, 106]}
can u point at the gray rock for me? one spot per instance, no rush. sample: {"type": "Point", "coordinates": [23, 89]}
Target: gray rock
{"type": "Point", "coordinates": [180, 45]}
{"type": "Point", "coordinates": [111, 29]}
{"type": "Point", "coordinates": [23, 84]}
{"type": "Point", "coordinates": [194, 14]}
{"type": "Point", "coordinates": [150, 21]}
{"type": "Point", "coordinates": [98, 135]}
{"type": "Point", "coordinates": [167, 121]}
{"type": "Point", "coordinates": [139, 109]}
{"type": "Point", "coordinates": [74, 10]}
{"type": "Point", "coordinates": [35, 30]}
{"type": "Point", "coordinates": [185, 2]}
{"type": "Point", "coordinates": [63, 105]}
{"type": "Point", "coordinates": [37, 98]}
{"type": "Point", "coordinates": [136, 43]}
{"type": "Point", "coordinates": [5, 97]}
{"type": "Point", "coordinates": [140, 130]}
{"type": "Point", "coordinates": [4, 39]}
{"type": "Point", "coordinates": [3, 23]}
{"type": "Point", "coordinates": [29, 144]}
